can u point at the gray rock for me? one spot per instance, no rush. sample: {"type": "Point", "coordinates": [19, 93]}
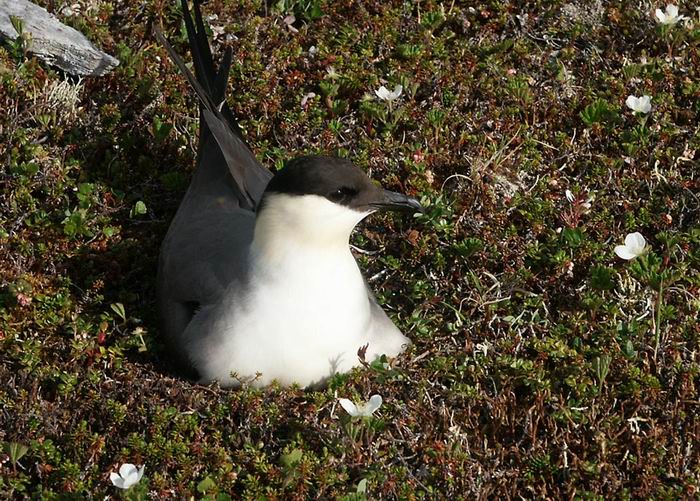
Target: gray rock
{"type": "Point", "coordinates": [52, 41]}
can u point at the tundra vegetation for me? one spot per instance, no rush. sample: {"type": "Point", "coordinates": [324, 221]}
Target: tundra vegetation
{"type": "Point", "coordinates": [542, 366]}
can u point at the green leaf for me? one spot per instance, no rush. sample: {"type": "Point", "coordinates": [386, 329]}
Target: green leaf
{"type": "Point", "coordinates": [572, 236]}
{"type": "Point", "coordinates": [118, 308]}
{"type": "Point", "coordinates": [468, 247]}
{"type": "Point", "coordinates": [139, 209]}
{"type": "Point", "coordinates": [408, 51]}
{"type": "Point", "coordinates": [362, 486]}
{"type": "Point", "coordinates": [86, 188]}
{"type": "Point", "coordinates": [85, 191]}
{"type": "Point", "coordinates": [76, 223]}
{"type": "Point", "coordinates": [16, 451]}
{"type": "Point", "coordinates": [290, 460]}
{"type": "Point", "coordinates": [601, 367]}
{"type": "Point", "coordinates": [17, 24]}
{"type": "Point", "coordinates": [329, 88]}
{"type": "Point", "coordinates": [160, 129]}
{"type": "Point", "coordinates": [602, 278]}
{"type": "Point", "coordinates": [314, 12]}
{"type": "Point", "coordinates": [206, 485]}
{"type": "Point", "coordinates": [598, 111]}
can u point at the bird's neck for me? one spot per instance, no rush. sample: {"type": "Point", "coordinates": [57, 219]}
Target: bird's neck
{"type": "Point", "coordinates": [305, 225]}
{"type": "Point", "coordinates": [274, 237]}
{"type": "Point", "coordinates": [301, 246]}
{"type": "Point", "coordinates": [292, 252]}
{"type": "Point", "coordinates": [314, 258]}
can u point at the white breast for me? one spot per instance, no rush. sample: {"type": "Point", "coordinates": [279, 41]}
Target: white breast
{"type": "Point", "coordinates": [301, 318]}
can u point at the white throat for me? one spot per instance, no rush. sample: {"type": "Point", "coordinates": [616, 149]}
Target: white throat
{"type": "Point", "coordinates": [303, 221]}
{"type": "Point", "coordinates": [301, 261]}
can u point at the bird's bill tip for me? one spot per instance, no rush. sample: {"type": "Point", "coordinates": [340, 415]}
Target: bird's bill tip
{"type": "Point", "coordinates": [391, 200]}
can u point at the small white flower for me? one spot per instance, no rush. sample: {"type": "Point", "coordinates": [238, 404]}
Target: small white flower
{"type": "Point", "coordinates": [217, 31]}
{"type": "Point", "coordinates": [569, 267]}
{"type": "Point", "coordinates": [670, 16]}
{"type": "Point", "coordinates": [569, 196]}
{"type": "Point", "coordinates": [634, 246]}
{"type": "Point", "coordinates": [306, 98]}
{"type": "Point", "coordinates": [365, 409]}
{"type": "Point", "coordinates": [386, 95]}
{"type": "Point", "coordinates": [128, 476]}
{"type": "Point", "coordinates": [313, 50]}
{"type": "Point", "coordinates": [639, 104]}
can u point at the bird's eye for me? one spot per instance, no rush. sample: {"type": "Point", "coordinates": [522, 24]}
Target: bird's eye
{"type": "Point", "coordinates": [342, 194]}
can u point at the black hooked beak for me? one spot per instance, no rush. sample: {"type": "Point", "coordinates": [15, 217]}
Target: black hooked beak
{"type": "Point", "coordinates": [390, 200]}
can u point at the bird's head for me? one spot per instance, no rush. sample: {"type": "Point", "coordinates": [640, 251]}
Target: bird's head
{"type": "Point", "coordinates": [323, 198]}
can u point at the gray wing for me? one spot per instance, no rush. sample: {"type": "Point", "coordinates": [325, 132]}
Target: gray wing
{"type": "Point", "coordinates": [207, 242]}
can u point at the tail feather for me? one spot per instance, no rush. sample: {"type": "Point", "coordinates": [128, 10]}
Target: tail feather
{"type": "Point", "coordinates": [250, 178]}
{"type": "Point", "coordinates": [201, 52]}
{"type": "Point", "coordinates": [198, 39]}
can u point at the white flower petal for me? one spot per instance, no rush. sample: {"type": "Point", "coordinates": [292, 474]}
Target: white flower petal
{"type": "Point", "coordinates": [383, 93]}
{"type": "Point", "coordinates": [386, 95]}
{"type": "Point", "coordinates": [639, 104]}
{"type": "Point", "coordinates": [349, 407]}
{"type": "Point", "coordinates": [306, 98]}
{"type": "Point", "coordinates": [375, 401]}
{"type": "Point", "coordinates": [128, 476]}
{"type": "Point", "coordinates": [635, 242]}
{"type": "Point", "coordinates": [117, 481]}
{"type": "Point", "coordinates": [660, 16]}
{"type": "Point", "coordinates": [126, 469]}
{"type": "Point", "coordinates": [670, 16]}
{"type": "Point", "coordinates": [644, 104]}
{"type": "Point", "coordinates": [624, 252]}
{"type": "Point", "coordinates": [569, 196]}
{"type": "Point", "coordinates": [133, 477]}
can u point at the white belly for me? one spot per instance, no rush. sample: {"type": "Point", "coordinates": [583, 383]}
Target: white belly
{"type": "Point", "coordinates": [298, 325]}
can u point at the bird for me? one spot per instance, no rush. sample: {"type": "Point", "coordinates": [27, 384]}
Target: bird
{"type": "Point", "coordinates": [256, 280]}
